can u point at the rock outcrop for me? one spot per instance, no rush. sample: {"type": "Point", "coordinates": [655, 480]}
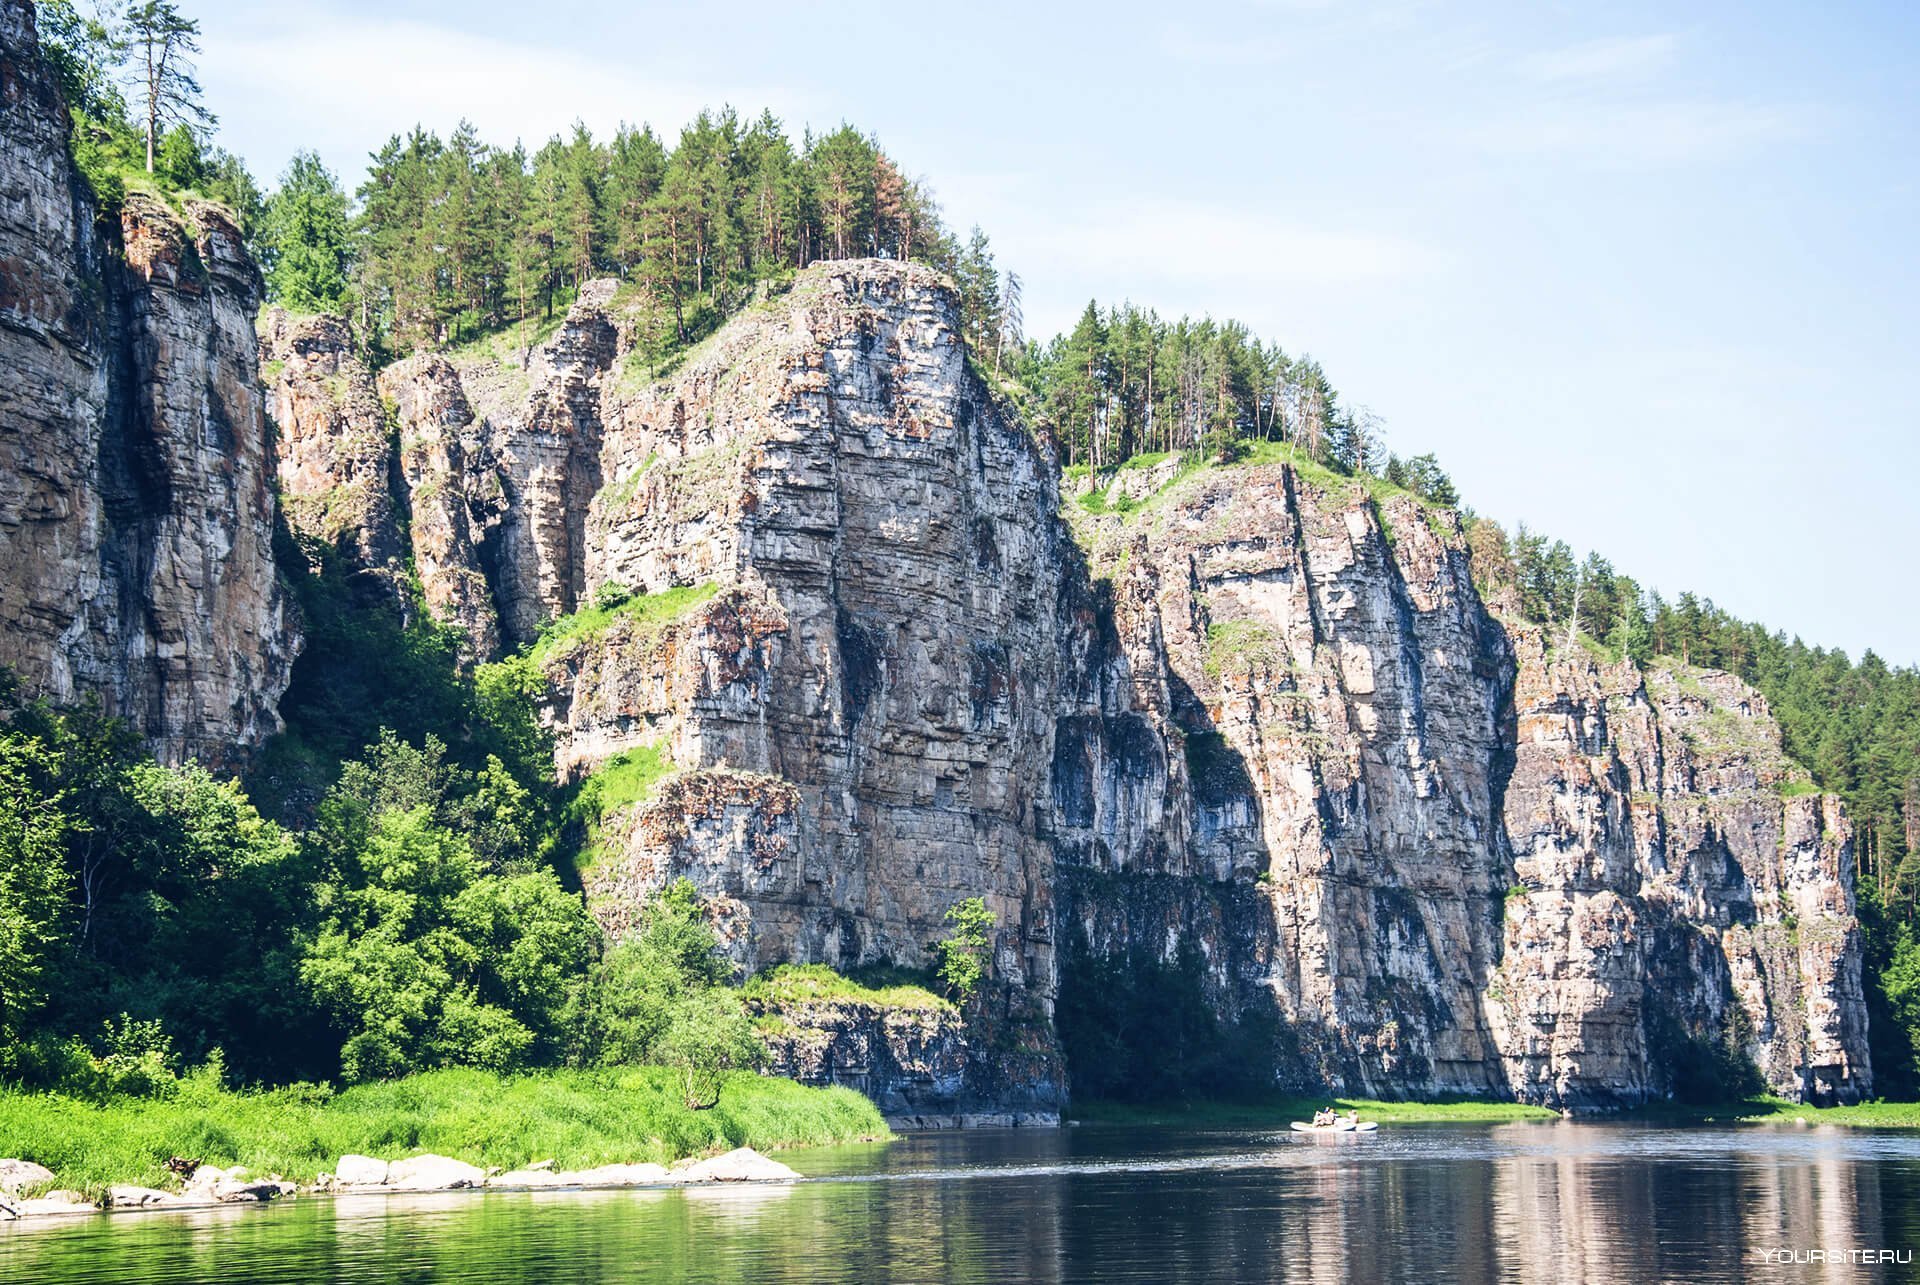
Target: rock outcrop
{"type": "Point", "coordinates": [921, 1065]}
{"type": "Point", "coordinates": [1257, 716]}
{"type": "Point", "coordinates": [1449, 857]}
{"type": "Point", "coordinates": [334, 449]}
{"type": "Point", "coordinates": [136, 502]}
{"type": "Point", "coordinates": [863, 713]}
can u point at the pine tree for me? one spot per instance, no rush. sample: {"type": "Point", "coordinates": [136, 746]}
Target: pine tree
{"type": "Point", "coordinates": [163, 43]}
{"type": "Point", "coordinates": [306, 232]}
{"type": "Point", "coordinates": [842, 169]}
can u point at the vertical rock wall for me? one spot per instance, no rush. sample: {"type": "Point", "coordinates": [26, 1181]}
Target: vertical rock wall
{"type": "Point", "coordinates": [1449, 857]}
{"type": "Point", "coordinates": [1261, 718]}
{"type": "Point", "coordinates": [136, 508]}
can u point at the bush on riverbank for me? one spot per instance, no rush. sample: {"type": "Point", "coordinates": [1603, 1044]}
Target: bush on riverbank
{"type": "Point", "coordinates": [577, 1118]}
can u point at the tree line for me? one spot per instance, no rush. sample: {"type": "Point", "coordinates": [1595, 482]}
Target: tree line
{"type": "Point", "coordinates": [1125, 381]}
{"type": "Point", "coordinates": [456, 237]}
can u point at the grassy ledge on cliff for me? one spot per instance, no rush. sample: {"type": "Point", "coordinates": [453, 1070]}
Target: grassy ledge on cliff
{"type": "Point", "coordinates": [578, 1119]}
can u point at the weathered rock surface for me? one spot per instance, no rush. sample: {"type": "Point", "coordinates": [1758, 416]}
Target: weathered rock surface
{"type": "Point", "coordinates": [136, 510]}
{"type": "Point", "coordinates": [616, 1175]}
{"type": "Point", "coordinates": [454, 494]}
{"type": "Point", "coordinates": [1447, 857]}
{"type": "Point", "coordinates": [1257, 716]}
{"type": "Point", "coordinates": [55, 1204]}
{"type": "Point", "coordinates": [917, 1064]}
{"type": "Point", "coordinates": [742, 1164]}
{"type": "Point", "coordinates": [360, 1171]}
{"type": "Point", "coordinates": [334, 450]}
{"type": "Point", "coordinates": [433, 1173]}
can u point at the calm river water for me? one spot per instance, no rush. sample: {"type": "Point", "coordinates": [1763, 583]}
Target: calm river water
{"type": "Point", "coordinates": [1518, 1202]}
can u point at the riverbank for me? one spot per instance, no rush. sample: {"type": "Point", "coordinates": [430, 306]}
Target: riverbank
{"type": "Point", "coordinates": [1278, 1113]}
{"type": "Point", "coordinates": [575, 1119]}
{"type": "Point", "coordinates": [1865, 1115]}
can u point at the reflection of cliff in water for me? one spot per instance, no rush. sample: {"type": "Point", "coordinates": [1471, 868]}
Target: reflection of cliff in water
{"type": "Point", "coordinates": [1532, 1202]}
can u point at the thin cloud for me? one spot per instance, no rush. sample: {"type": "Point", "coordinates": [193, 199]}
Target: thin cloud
{"type": "Point", "coordinates": [1642, 133]}
{"type": "Point", "coordinates": [1613, 58]}
{"type": "Point", "coordinates": [344, 87]}
{"type": "Point", "coordinates": [1206, 244]}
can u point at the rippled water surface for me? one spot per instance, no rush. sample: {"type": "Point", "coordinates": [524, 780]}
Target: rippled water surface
{"type": "Point", "coordinates": [1518, 1202]}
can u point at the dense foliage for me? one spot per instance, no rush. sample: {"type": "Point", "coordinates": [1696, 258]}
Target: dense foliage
{"type": "Point", "coordinates": [152, 920]}
{"type": "Point", "coordinates": [966, 952]}
{"type": "Point", "coordinates": [1125, 382]}
{"type": "Point", "coordinates": [457, 237]}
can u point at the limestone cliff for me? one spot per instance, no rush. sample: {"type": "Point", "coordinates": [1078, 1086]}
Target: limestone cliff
{"type": "Point", "coordinates": [1256, 713]}
{"type": "Point", "coordinates": [1450, 857]}
{"type": "Point", "coordinates": [136, 503]}
{"type": "Point", "coordinates": [333, 457]}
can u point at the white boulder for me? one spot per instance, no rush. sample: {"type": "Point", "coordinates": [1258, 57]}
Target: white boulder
{"type": "Point", "coordinates": [361, 1171]}
{"type": "Point", "coordinates": [434, 1173]}
{"type": "Point", "coordinates": [743, 1164]}
{"type": "Point", "coordinates": [17, 1175]}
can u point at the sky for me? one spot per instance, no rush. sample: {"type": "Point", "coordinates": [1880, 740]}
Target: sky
{"type": "Point", "coordinates": [1643, 276]}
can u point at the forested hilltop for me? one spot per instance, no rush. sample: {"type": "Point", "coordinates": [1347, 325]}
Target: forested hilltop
{"type": "Point", "coordinates": [395, 882]}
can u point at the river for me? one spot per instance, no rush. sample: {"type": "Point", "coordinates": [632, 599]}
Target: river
{"type": "Point", "coordinates": [1529, 1202]}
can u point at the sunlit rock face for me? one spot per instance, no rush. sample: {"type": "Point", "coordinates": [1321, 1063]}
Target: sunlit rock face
{"type": "Point", "coordinates": [1451, 856]}
{"type": "Point", "coordinates": [1255, 717]}
{"type": "Point", "coordinates": [1256, 714]}
{"type": "Point", "coordinates": [136, 502]}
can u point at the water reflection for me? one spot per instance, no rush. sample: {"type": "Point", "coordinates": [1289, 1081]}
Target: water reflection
{"type": "Point", "coordinates": [1552, 1202]}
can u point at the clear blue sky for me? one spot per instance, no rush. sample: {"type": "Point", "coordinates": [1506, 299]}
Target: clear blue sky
{"type": "Point", "coordinates": [1643, 275]}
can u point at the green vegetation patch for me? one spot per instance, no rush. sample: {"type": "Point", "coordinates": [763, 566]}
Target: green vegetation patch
{"type": "Point", "coordinates": [648, 610]}
{"type": "Point", "coordinates": [1241, 646]}
{"type": "Point", "coordinates": [796, 985]}
{"type": "Point", "coordinates": [577, 1118]}
{"type": "Point", "coordinates": [1771, 1110]}
{"type": "Point", "coordinates": [624, 779]}
{"type": "Point", "coordinates": [508, 346]}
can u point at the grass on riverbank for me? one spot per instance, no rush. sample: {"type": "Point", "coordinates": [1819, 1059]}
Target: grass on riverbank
{"type": "Point", "coordinates": [1866, 1115]}
{"type": "Point", "coordinates": [577, 1118]}
{"type": "Point", "coordinates": [1278, 1113]}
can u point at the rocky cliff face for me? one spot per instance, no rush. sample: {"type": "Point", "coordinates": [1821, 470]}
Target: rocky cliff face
{"type": "Point", "coordinates": [921, 1066]}
{"type": "Point", "coordinates": [1257, 715]}
{"type": "Point", "coordinates": [135, 491]}
{"type": "Point", "coordinates": [333, 454]}
{"type": "Point", "coordinates": [1447, 856]}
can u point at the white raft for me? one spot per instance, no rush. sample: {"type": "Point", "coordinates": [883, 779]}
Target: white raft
{"type": "Point", "coordinates": [1338, 1126]}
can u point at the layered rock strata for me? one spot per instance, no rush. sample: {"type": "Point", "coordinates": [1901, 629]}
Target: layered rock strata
{"type": "Point", "coordinates": [136, 503]}
{"type": "Point", "coordinates": [1256, 715]}
{"type": "Point", "coordinates": [1447, 855]}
